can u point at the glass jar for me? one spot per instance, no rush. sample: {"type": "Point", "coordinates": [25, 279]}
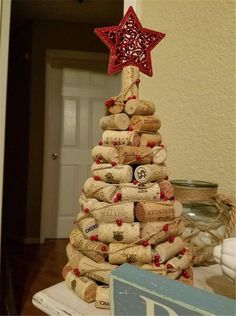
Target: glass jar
{"type": "Point", "coordinates": [204, 218]}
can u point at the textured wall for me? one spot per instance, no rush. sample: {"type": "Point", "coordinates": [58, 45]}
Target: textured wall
{"type": "Point", "coordinates": [193, 86]}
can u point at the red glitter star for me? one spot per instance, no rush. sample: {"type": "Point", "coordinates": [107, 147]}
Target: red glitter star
{"type": "Point", "coordinates": [129, 43]}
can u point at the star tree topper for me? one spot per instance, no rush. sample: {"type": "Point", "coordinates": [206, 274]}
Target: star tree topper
{"type": "Point", "coordinates": [130, 44]}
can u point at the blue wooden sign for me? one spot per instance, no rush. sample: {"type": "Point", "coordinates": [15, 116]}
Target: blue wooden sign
{"type": "Point", "coordinates": [136, 292]}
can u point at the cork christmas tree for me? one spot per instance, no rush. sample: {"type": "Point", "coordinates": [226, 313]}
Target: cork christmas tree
{"type": "Point", "coordinates": [127, 210]}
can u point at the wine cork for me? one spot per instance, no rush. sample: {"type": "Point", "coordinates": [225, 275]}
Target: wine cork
{"type": "Point", "coordinates": [115, 122]}
{"type": "Point", "coordinates": [135, 155]}
{"type": "Point", "coordinates": [89, 203]}
{"type": "Point", "coordinates": [97, 271]}
{"type": "Point", "coordinates": [150, 139]}
{"type": "Point", "coordinates": [105, 153]}
{"type": "Point", "coordinates": [167, 189]}
{"type": "Point", "coordinates": [92, 249]}
{"type": "Point", "coordinates": [161, 269]}
{"type": "Point", "coordinates": [179, 263]}
{"type": "Point", "coordinates": [117, 138]}
{"type": "Point", "coordinates": [110, 212]}
{"type": "Point", "coordinates": [100, 190]}
{"type": "Point", "coordinates": [139, 107]}
{"type": "Point", "coordinates": [88, 226]}
{"type": "Point", "coordinates": [150, 172]}
{"type": "Point", "coordinates": [126, 233]}
{"type": "Point", "coordinates": [146, 211]}
{"type": "Point", "coordinates": [129, 76]}
{"type": "Point", "coordinates": [168, 249]}
{"type": "Point", "coordinates": [110, 174]}
{"type": "Point", "coordinates": [159, 155]}
{"type": "Point", "coordinates": [67, 268]}
{"type": "Point", "coordinates": [175, 228]}
{"type": "Point", "coordinates": [141, 191]}
{"type": "Point", "coordinates": [144, 123]}
{"type": "Point", "coordinates": [102, 297]}
{"type": "Point", "coordinates": [83, 287]}
{"type": "Point", "coordinates": [121, 253]}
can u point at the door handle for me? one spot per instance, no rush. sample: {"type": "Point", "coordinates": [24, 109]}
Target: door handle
{"type": "Point", "coordinates": [54, 156]}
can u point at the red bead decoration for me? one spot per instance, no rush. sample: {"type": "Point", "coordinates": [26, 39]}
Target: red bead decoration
{"type": "Point", "coordinates": [185, 274]}
{"type": "Point", "coordinates": [130, 128]}
{"type": "Point", "coordinates": [137, 81]}
{"type": "Point", "coordinates": [100, 143]}
{"type": "Point", "coordinates": [91, 238]}
{"type": "Point", "coordinates": [86, 210]}
{"type": "Point", "coordinates": [76, 272]}
{"type": "Point", "coordinates": [119, 196]}
{"type": "Point", "coordinates": [171, 239]}
{"type": "Point", "coordinates": [96, 178]}
{"type": "Point", "coordinates": [109, 102]}
{"type": "Point", "coordinates": [157, 258]}
{"type": "Point", "coordinates": [151, 144]}
{"type": "Point", "coordinates": [95, 237]}
{"type": "Point", "coordinates": [166, 228]}
{"type": "Point", "coordinates": [157, 263]}
{"type": "Point", "coordinates": [134, 181]}
{"type": "Point", "coordinates": [113, 163]}
{"type": "Point", "coordinates": [166, 178]}
{"type": "Point", "coordinates": [145, 243]}
{"type": "Point", "coordinates": [169, 266]}
{"type": "Point", "coordinates": [182, 252]}
{"type": "Point", "coordinates": [138, 157]}
{"type": "Point", "coordinates": [116, 200]}
{"type": "Point", "coordinates": [131, 97]}
{"type": "Point", "coordinates": [97, 160]}
{"type": "Point", "coordinates": [104, 248]}
{"type": "Point", "coordinates": [119, 222]}
{"type": "Point", "coordinates": [129, 43]}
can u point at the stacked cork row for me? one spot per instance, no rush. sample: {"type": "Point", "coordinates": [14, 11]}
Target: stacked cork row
{"type": "Point", "coordinates": [127, 211]}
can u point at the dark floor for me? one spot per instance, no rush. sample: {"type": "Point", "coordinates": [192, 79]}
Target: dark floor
{"type": "Point", "coordinates": [34, 268]}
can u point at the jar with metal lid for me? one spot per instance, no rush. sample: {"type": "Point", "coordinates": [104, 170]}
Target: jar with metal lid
{"type": "Point", "coordinates": [208, 217]}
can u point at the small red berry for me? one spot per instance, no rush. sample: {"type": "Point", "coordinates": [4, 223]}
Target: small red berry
{"type": "Point", "coordinates": [119, 222]}
{"type": "Point", "coordinates": [171, 239]}
{"type": "Point", "coordinates": [157, 257]}
{"type": "Point", "coordinates": [76, 272]}
{"type": "Point", "coordinates": [104, 248]}
{"type": "Point", "coordinates": [166, 228]}
{"type": "Point", "coordinates": [95, 237]}
{"type": "Point", "coordinates": [86, 210]}
{"type": "Point", "coordinates": [137, 81]}
{"type": "Point", "coordinates": [97, 160]}
{"type": "Point", "coordinates": [109, 102]}
{"type": "Point", "coordinates": [138, 157]}
{"type": "Point", "coordinates": [185, 274]}
{"type": "Point", "coordinates": [157, 263]}
{"type": "Point", "coordinates": [145, 243]}
{"type": "Point", "coordinates": [119, 196]}
{"type": "Point", "coordinates": [182, 252]}
{"type": "Point", "coordinates": [169, 266]}
{"type": "Point", "coordinates": [151, 144]}
{"type": "Point", "coordinates": [91, 238]}
{"type": "Point", "coordinates": [116, 200]}
{"type": "Point", "coordinates": [100, 143]}
{"type": "Point", "coordinates": [96, 178]}
{"type": "Point", "coordinates": [134, 181]}
{"type": "Point", "coordinates": [113, 163]}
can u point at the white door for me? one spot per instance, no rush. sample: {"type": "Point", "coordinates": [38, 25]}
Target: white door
{"type": "Point", "coordinates": [76, 97]}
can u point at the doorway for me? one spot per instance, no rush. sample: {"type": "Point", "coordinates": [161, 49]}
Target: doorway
{"type": "Point", "coordinates": [76, 87]}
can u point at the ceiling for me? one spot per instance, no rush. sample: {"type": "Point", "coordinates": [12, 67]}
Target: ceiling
{"type": "Point", "coordinates": [98, 12]}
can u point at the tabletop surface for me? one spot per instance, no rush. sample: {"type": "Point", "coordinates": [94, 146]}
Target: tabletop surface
{"type": "Point", "coordinates": [61, 301]}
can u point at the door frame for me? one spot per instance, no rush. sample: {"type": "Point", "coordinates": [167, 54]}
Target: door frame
{"type": "Point", "coordinates": [51, 172]}
{"type": "Point", "coordinates": [5, 10]}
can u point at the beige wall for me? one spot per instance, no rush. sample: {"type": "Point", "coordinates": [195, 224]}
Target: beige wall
{"type": "Point", "coordinates": [193, 86]}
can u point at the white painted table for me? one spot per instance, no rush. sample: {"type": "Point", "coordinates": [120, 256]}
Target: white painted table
{"type": "Point", "coordinates": [59, 300]}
